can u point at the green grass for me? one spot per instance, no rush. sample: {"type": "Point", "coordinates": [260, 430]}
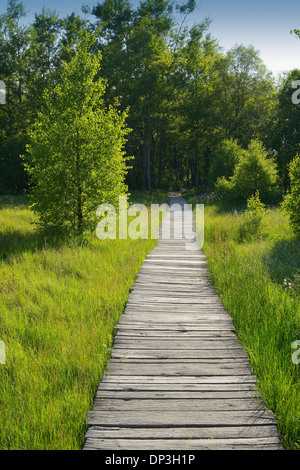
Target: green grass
{"type": "Point", "coordinates": [258, 280]}
{"type": "Point", "coordinates": [60, 300]}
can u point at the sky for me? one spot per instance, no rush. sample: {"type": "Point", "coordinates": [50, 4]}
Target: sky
{"type": "Point", "coordinates": [265, 24]}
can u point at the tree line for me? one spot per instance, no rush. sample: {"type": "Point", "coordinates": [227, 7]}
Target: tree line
{"type": "Point", "coordinates": [191, 108]}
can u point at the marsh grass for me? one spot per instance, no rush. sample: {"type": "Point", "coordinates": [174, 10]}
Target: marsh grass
{"type": "Point", "coordinates": [60, 299]}
{"type": "Point", "coordinates": [257, 279]}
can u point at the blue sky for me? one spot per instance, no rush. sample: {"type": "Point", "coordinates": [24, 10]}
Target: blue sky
{"type": "Point", "coordinates": [265, 24]}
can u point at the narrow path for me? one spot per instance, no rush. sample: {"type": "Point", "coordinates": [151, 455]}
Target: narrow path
{"type": "Point", "coordinates": [178, 378]}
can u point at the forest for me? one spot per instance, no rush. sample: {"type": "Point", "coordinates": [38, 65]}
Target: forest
{"type": "Point", "coordinates": [192, 109]}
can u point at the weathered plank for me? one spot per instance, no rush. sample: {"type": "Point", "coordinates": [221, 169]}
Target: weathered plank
{"type": "Point", "coordinates": [178, 343]}
{"type": "Point", "coordinates": [188, 404]}
{"type": "Point", "coordinates": [179, 327]}
{"type": "Point", "coordinates": [172, 334]}
{"type": "Point", "coordinates": [159, 369]}
{"type": "Point", "coordinates": [209, 432]}
{"type": "Point", "coordinates": [174, 354]}
{"type": "Point", "coordinates": [170, 380]}
{"type": "Point", "coordinates": [178, 395]}
{"type": "Point", "coordinates": [165, 418]}
{"type": "Point", "coordinates": [183, 444]}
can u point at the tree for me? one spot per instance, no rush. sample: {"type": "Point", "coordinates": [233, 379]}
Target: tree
{"type": "Point", "coordinates": [291, 201]}
{"type": "Point", "coordinates": [286, 131]}
{"type": "Point", "coordinates": [148, 62]}
{"type": "Point", "coordinates": [245, 95]}
{"type": "Point", "coordinates": [254, 171]}
{"type": "Point", "coordinates": [196, 67]}
{"type": "Point", "coordinates": [14, 41]}
{"type": "Point", "coordinates": [75, 158]}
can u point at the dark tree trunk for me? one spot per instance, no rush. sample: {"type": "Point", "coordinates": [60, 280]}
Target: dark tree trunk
{"type": "Point", "coordinates": [146, 159]}
{"type": "Point", "coordinates": [161, 146]}
{"type": "Point", "coordinates": [197, 170]}
{"type": "Point", "coordinates": [79, 191]}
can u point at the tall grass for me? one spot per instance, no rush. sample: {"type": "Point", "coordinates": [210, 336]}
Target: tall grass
{"type": "Point", "coordinates": [59, 302]}
{"type": "Point", "coordinates": [257, 279]}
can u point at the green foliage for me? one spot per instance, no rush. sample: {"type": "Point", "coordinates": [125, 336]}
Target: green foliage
{"type": "Point", "coordinates": [245, 95]}
{"type": "Point", "coordinates": [185, 96]}
{"type": "Point", "coordinates": [253, 217]}
{"type": "Point", "coordinates": [223, 160]}
{"type": "Point", "coordinates": [254, 171]}
{"type": "Point", "coordinates": [285, 134]}
{"type": "Point", "coordinates": [291, 201]}
{"type": "Point", "coordinates": [14, 38]}
{"type": "Point", "coordinates": [75, 158]}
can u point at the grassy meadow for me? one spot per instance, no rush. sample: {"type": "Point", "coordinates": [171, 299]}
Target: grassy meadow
{"type": "Point", "coordinates": [59, 302]}
{"type": "Point", "coordinates": [258, 280]}
{"type": "Point", "coordinates": [61, 298]}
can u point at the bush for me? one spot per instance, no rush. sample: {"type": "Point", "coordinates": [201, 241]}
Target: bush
{"type": "Point", "coordinates": [254, 171]}
{"type": "Point", "coordinates": [253, 217]}
{"type": "Point", "coordinates": [223, 161]}
{"type": "Point", "coordinates": [291, 202]}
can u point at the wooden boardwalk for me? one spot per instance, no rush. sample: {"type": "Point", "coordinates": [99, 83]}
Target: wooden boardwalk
{"type": "Point", "coordinates": [178, 378]}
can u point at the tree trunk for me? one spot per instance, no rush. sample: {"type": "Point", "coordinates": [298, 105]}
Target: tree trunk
{"type": "Point", "coordinates": [131, 169]}
{"type": "Point", "coordinates": [176, 164]}
{"type": "Point", "coordinates": [79, 191]}
{"type": "Point", "coordinates": [146, 160]}
{"type": "Point", "coordinates": [152, 160]}
{"type": "Point", "coordinates": [197, 170]}
{"type": "Point", "coordinates": [161, 145]}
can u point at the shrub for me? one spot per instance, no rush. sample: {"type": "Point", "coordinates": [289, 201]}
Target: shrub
{"type": "Point", "coordinates": [254, 171]}
{"type": "Point", "coordinates": [253, 217]}
{"type": "Point", "coordinates": [223, 161]}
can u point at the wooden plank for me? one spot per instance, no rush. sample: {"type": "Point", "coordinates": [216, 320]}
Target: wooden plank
{"type": "Point", "coordinates": [183, 444]}
{"type": "Point", "coordinates": [144, 319]}
{"type": "Point", "coordinates": [179, 344]}
{"type": "Point", "coordinates": [160, 287]}
{"type": "Point", "coordinates": [176, 309]}
{"type": "Point", "coordinates": [168, 367]}
{"type": "Point", "coordinates": [165, 418]}
{"type": "Point", "coordinates": [174, 354]}
{"type": "Point", "coordinates": [129, 380]}
{"type": "Point", "coordinates": [154, 255]}
{"type": "Point", "coordinates": [186, 387]}
{"type": "Point", "coordinates": [151, 292]}
{"type": "Point", "coordinates": [180, 262]}
{"type": "Point", "coordinates": [222, 432]}
{"type": "Point", "coordinates": [140, 300]}
{"type": "Point", "coordinates": [190, 404]}
{"type": "Point", "coordinates": [192, 317]}
{"type": "Point", "coordinates": [164, 362]}
{"type": "Point", "coordinates": [172, 334]}
{"type": "Point", "coordinates": [175, 369]}
{"type": "Point", "coordinates": [181, 328]}
{"type": "Point", "coordinates": [178, 395]}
